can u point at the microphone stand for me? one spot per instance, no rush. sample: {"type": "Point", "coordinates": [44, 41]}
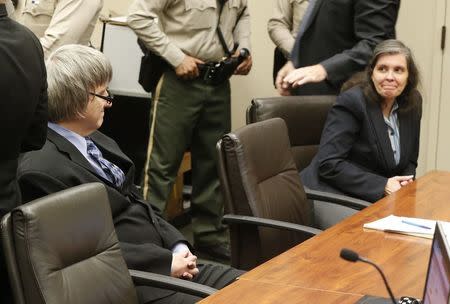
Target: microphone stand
{"type": "Point", "coordinates": [382, 275]}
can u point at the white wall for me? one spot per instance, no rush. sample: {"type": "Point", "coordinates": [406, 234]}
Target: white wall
{"type": "Point", "coordinates": [419, 27]}
{"type": "Point", "coordinates": [259, 82]}
{"type": "Point", "coordinates": [418, 44]}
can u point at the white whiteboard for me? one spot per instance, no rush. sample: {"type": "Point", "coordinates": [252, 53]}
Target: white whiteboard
{"type": "Point", "coordinates": [121, 48]}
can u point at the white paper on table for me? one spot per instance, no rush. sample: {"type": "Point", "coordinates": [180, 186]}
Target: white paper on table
{"type": "Point", "coordinates": [404, 225]}
{"type": "Point", "coordinates": [446, 226]}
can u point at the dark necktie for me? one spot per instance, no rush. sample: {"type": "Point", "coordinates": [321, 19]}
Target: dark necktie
{"type": "Point", "coordinates": [115, 173]}
{"type": "Point", "coordinates": [301, 30]}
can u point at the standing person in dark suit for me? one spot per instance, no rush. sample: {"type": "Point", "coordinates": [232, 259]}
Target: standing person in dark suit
{"type": "Point", "coordinates": [335, 40]}
{"type": "Point", "coordinates": [370, 142]}
{"type": "Point", "coordinates": [76, 153]}
{"type": "Point", "coordinates": [23, 110]}
{"type": "Point", "coordinates": [23, 104]}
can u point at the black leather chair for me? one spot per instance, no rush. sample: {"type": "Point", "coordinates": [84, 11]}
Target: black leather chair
{"type": "Point", "coordinates": [304, 116]}
{"type": "Point", "coordinates": [63, 248]}
{"type": "Point", "coordinates": [266, 206]}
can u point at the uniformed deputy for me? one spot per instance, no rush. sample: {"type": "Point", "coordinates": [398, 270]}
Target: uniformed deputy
{"type": "Point", "coordinates": [9, 5]}
{"type": "Point", "coordinates": [187, 112]}
{"type": "Point", "coordinates": [59, 22]}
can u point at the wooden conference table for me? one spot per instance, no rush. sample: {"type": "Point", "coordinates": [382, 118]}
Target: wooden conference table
{"type": "Point", "coordinates": [313, 272]}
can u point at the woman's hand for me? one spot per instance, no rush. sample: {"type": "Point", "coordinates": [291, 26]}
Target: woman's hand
{"type": "Point", "coordinates": [395, 183]}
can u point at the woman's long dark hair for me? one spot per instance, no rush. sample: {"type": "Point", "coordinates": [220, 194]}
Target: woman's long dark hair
{"type": "Point", "coordinates": [410, 98]}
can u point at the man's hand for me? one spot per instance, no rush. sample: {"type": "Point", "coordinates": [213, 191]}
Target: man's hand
{"type": "Point", "coordinates": [301, 76]}
{"type": "Point", "coordinates": [184, 265]}
{"type": "Point", "coordinates": [245, 66]}
{"type": "Point", "coordinates": [395, 183]}
{"type": "Point", "coordinates": [188, 68]}
{"type": "Point", "coordinates": [283, 87]}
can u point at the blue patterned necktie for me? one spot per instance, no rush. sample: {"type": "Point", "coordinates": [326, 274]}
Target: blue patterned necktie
{"type": "Point", "coordinates": [301, 30]}
{"type": "Point", "coordinates": [115, 173]}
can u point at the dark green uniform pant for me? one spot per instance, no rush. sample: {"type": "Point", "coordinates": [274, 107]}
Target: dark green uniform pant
{"type": "Point", "coordinates": [188, 114]}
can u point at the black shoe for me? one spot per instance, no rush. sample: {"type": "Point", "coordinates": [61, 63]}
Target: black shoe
{"type": "Point", "coordinates": [219, 252]}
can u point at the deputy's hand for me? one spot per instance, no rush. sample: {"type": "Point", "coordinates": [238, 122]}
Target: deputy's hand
{"type": "Point", "coordinates": [245, 66]}
{"type": "Point", "coordinates": [301, 76]}
{"type": "Point", "coordinates": [188, 68]}
{"type": "Point", "coordinates": [184, 265]}
{"type": "Point", "coordinates": [284, 88]}
{"type": "Point", "coordinates": [395, 183]}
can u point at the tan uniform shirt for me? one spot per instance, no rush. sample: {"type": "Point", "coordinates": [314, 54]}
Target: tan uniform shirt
{"type": "Point", "coordinates": [173, 28]}
{"type": "Point", "coordinates": [9, 7]}
{"type": "Point", "coordinates": [59, 22]}
{"type": "Point", "coordinates": [285, 21]}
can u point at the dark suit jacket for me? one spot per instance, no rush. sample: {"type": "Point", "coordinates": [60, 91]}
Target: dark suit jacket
{"type": "Point", "coordinates": [145, 238]}
{"type": "Point", "coordinates": [23, 102]}
{"type": "Point", "coordinates": [341, 35]}
{"type": "Point", "coordinates": [355, 156]}
{"type": "Point", "coordinates": [23, 110]}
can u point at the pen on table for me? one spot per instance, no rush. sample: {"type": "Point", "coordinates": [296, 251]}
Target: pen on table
{"type": "Point", "coordinates": [415, 224]}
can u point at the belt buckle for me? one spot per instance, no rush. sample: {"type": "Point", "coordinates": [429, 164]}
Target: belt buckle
{"type": "Point", "coordinates": [210, 73]}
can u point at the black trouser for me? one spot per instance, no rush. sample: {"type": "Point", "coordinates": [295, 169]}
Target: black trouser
{"type": "Point", "coordinates": [216, 276]}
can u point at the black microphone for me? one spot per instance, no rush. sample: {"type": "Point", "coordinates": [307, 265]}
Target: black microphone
{"type": "Point", "coordinates": [351, 256]}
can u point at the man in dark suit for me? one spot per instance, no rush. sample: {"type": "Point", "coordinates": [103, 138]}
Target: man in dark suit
{"type": "Point", "coordinates": [23, 102]}
{"type": "Point", "coordinates": [335, 40]}
{"type": "Point", "coordinates": [76, 153]}
{"type": "Point", "coordinates": [23, 110]}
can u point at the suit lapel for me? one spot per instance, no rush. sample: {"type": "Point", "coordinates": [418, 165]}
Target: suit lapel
{"type": "Point", "coordinates": [115, 155]}
{"type": "Point", "coordinates": [66, 147]}
{"type": "Point", "coordinates": [106, 147]}
{"type": "Point", "coordinates": [405, 126]}
{"type": "Point", "coordinates": [313, 14]}
{"type": "Point", "coordinates": [382, 139]}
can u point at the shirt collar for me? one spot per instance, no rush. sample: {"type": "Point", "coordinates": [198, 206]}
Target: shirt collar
{"type": "Point", "coordinates": [75, 139]}
{"type": "Point", "coordinates": [394, 107]}
{"type": "Point", "coordinates": [393, 110]}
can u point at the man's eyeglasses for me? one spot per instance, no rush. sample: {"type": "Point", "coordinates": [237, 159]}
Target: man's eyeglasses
{"type": "Point", "coordinates": [109, 98]}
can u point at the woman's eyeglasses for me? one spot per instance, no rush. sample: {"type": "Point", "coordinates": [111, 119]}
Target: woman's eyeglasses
{"type": "Point", "coordinates": [109, 98]}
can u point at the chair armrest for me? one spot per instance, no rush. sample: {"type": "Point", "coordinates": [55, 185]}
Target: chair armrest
{"type": "Point", "coordinates": [338, 199]}
{"type": "Point", "coordinates": [166, 282]}
{"type": "Point", "coordinates": [251, 220]}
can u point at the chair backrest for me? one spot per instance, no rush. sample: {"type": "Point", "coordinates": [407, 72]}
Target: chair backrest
{"type": "Point", "coordinates": [63, 248]}
{"type": "Point", "coordinates": [259, 178]}
{"type": "Point", "coordinates": [304, 116]}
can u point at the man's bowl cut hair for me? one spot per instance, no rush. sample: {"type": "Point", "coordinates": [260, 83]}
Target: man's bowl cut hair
{"type": "Point", "coordinates": [72, 72]}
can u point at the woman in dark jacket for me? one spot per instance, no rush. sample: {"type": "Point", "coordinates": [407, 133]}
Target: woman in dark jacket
{"type": "Point", "coordinates": [370, 142]}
